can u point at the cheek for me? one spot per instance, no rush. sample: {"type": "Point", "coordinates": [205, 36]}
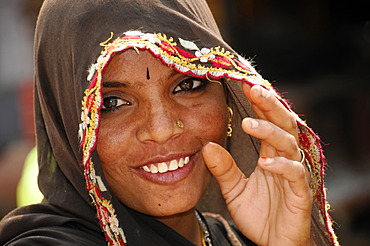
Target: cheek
{"type": "Point", "coordinates": [114, 154]}
{"type": "Point", "coordinates": [210, 123]}
{"type": "Point", "coordinates": [112, 143]}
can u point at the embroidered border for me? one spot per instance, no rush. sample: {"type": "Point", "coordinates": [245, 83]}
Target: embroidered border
{"type": "Point", "coordinates": [186, 58]}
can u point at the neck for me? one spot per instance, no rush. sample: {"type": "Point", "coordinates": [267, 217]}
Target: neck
{"type": "Point", "coordinates": [185, 224]}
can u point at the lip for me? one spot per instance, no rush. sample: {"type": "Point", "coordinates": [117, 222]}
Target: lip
{"type": "Point", "coordinates": [169, 176]}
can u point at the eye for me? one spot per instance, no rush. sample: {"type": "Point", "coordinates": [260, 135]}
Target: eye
{"type": "Point", "coordinates": [190, 84]}
{"type": "Point", "coordinates": [113, 103]}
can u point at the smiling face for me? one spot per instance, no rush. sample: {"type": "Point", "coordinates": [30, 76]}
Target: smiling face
{"type": "Point", "coordinates": [153, 163]}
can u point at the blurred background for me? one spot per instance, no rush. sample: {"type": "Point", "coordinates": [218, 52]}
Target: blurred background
{"type": "Point", "coordinates": [316, 52]}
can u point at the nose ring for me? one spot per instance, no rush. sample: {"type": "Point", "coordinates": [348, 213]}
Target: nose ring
{"type": "Point", "coordinates": [179, 124]}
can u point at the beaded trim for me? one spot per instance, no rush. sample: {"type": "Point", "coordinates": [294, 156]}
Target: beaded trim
{"type": "Point", "coordinates": [230, 233]}
{"type": "Point", "coordinates": [203, 225]}
{"type": "Point", "coordinates": [186, 58]}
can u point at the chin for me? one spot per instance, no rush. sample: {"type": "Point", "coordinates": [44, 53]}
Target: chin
{"type": "Point", "coordinates": [166, 213]}
{"type": "Point", "coordinates": [172, 203]}
{"type": "Point", "coordinates": [170, 206]}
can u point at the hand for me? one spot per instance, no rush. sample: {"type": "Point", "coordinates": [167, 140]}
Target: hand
{"type": "Point", "coordinates": [272, 206]}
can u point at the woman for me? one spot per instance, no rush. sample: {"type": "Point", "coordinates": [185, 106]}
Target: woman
{"type": "Point", "coordinates": [164, 98]}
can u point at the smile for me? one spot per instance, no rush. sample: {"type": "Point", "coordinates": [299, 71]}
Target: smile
{"type": "Point", "coordinates": [164, 167]}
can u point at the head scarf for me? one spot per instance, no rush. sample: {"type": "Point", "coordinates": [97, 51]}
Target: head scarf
{"type": "Point", "coordinates": [74, 42]}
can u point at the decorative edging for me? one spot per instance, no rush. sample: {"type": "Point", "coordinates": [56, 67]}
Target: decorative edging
{"type": "Point", "coordinates": [213, 63]}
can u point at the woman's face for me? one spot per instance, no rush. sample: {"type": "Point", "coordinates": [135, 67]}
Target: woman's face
{"type": "Point", "coordinates": [151, 164]}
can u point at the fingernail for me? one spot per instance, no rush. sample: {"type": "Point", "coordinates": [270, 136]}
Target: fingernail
{"type": "Point", "coordinates": [267, 160]}
{"type": "Point", "coordinates": [263, 92]}
{"type": "Point", "coordinates": [208, 143]}
{"type": "Point", "coordinates": [253, 124]}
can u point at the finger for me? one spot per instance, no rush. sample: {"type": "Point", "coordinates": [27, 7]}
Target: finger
{"type": "Point", "coordinates": [284, 143]}
{"type": "Point", "coordinates": [230, 178]}
{"type": "Point", "coordinates": [293, 171]}
{"type": "Point", "coordinates": [247, 92]}
{"type": "Point", "coordinates": [268, 107]}
{"type": "Point", "coordinates": [267, 150]}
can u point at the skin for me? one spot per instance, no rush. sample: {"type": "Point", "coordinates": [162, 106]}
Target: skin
{"type": "Point", "coordinates": [145, 131]}
{"type": "Point", "coordinates": [271, 207]}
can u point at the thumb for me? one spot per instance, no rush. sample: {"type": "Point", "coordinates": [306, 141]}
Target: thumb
{"type": "Point", "coordinates": [223, 167]}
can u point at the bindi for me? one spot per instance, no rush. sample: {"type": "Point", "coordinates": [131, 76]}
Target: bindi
{"type": "Point", "coordinates": [147, 74]}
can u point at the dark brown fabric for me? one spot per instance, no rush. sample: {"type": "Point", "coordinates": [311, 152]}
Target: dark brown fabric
{"type": "Point", "coordinates": [67, 41]}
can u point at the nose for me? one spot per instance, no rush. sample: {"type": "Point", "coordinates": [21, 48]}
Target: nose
{"type": "Point", "coordinates": [158, 123]}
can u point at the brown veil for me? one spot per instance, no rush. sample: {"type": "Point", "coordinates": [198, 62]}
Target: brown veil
{"type": "Point", "coordinates": [70, 37]}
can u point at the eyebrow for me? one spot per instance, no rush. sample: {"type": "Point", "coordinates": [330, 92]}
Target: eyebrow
{"type": "Point", "coordinates": [173, 73]}
{"type": "Point", "coordinates": [115, 84]}
{"type": "Point", "coordinates": [109, 84]}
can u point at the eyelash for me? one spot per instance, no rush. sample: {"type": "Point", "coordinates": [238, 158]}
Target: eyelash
{"type": "Point", "coordinates": [113, 108]}
{"type": "Point", "coordinates": [200, 84]}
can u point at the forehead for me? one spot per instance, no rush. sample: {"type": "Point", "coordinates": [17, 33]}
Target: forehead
{"type": "Point", "coordinates": [136, 64]}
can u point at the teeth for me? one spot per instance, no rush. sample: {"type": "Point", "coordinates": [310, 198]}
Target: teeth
{"type": "Point", "coordinates": [153, 169]}
{"type": "Point", "coordinates": [173, 165]}
{"type": "Point", "coordinates": [146, 169]}
{"type": "Point", "coordinates": [162, 167]}
{"type": "Point", "coordinates": [181, 162]}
